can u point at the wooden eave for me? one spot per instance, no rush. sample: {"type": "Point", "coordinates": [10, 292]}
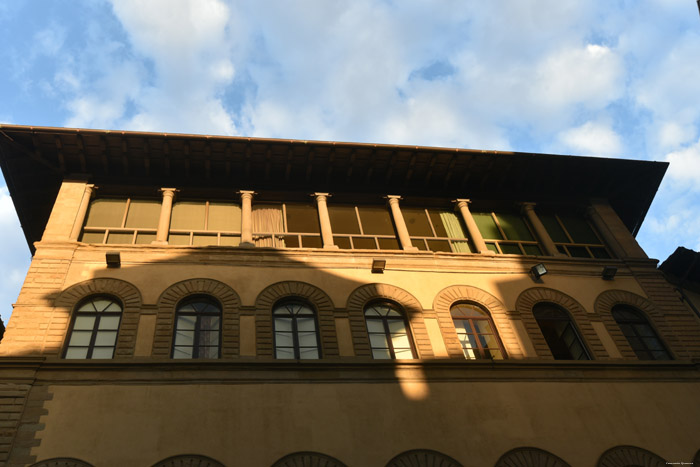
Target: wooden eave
{"type": "Point", "coordinates": [35, 160]}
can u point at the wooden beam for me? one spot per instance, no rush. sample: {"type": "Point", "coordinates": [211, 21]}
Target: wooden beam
{"type": "Point", "coordinates": [248, 153]}
{"type": "Point", "coordinates": [81, 153]}
{"type": "Point", "coordinates": [268, 156]}
{"type": "Point", "coordinates": [450, 168]}
{"type": "Point", "coordinates": [309, 163]}
{"type": "Point", "coordinates": [207, 160]}
{"type": "Point", "coordinates": [411, 167]}
{"type": "Point", "coordinates": [147, 156]}
{"type": "Point", "coordinates": [353, 155]}
{"type": "Point", "coordinates": [166, 158]}
{"type": "Point", "coordinates": [59, 153]}
{"type": "Point", "coordinates": [288, 164]}
{"type": "Point", "coordinates": [103, 155]}
{"type": "Point", "coordinates": [125, 159]}
{"type": "Point", "coordinates": [390, 169]}
{"type": "Point", "coordinates": [186, 152]}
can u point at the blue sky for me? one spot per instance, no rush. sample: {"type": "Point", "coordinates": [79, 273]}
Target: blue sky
{"type": "Point", "coordinates": [610, 78]}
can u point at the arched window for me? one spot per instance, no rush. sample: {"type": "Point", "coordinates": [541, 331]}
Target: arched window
{"type": "Point", "coordinates": [560, 332]}
{"type": "Point", "coordinates": [389, 335]}
{"type": "Point", "coordinates": [476, 332]}
{"type": "Point", "coordinates": [639, 333]}
{"type": "Point", "coordinates": [197, 328]}
{"type": "Point", "coordinates": [294, 325]}
{"type": "Point", "coordinates": [95, 328]}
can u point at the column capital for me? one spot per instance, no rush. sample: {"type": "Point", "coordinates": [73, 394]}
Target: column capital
{"type": "Point", "coordinates": [321, 196]}
{"type": "Point", "coordinates": [246, 194]}
{"type": "Point", "coordinates": [393, 199]}
{"type": "Point", "coordinates": [527, 205]}
{"type": "Point", "coordinates": [462, 202]}
{"type": "Point", "coordinates": [168, 191]}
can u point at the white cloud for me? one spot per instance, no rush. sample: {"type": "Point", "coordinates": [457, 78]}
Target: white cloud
{"type": "Point", "coordinates": [592, 138]}
{"type": "Point", "coordinates": [685, 165]}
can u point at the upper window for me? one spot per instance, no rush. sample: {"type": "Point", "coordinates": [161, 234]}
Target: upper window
{"type": "Point", "coordinates": [197, 328]}
{"type": "Point", "coordinates": [560, 332]}
{"type": "Point", "coordinates": [506, 233]}
{"type": "Point", "coordinates": [95, 328]}
{"type": "Point", "coordinates": [200, 223]}
{"type": "Point", "coordinates": [476, 332]}
{"type": "Point", "coordinates": [363, 227]}
{"type": "Point", "coordinates": [389, 335]}
{"type": "Point", "coordinates": [639, 333]}
{"type": "Point", "coordinates": [296, 336]}
{"type": "Point", "coordinates": [436, 230]}
{"type": "Point", "coordinates": [121, 221]}
{"type": "Point", "coordinates": [286, 225]}
{"type": "Point", "coordinates": [574, 236]}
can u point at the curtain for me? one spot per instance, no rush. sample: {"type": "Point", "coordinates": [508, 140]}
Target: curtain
{"type": "Point", "coordinates": [454, 230]}
{"type": "Point", "coordinates": [267, 220]}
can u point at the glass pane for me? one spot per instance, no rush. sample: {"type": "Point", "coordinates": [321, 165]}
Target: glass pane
{"type": "Point", "coordinates": [185, 322]}
{"type": "Point", "coordinates": [306, 354]}
{"type": "Point", "coordinates": [209, 338]}
{"type": "Point", "coordinates": [77, 352]}
{"type": "Point", "coordinates": [375, 325]}
{"type": "Point", "coordinates": [487, 226]}
{"type": "Point", "coordinates": [403, 354]}
{"type": "Point", "coordinates": [419, 243]}
{"type": "Point", "coordinates": [188, 215]}
{"type": "Point", "coordinates": [488, 341]}
{"type": "Point", "coordinates": [182, 352]}
{"type": "Point", "coordinates": [109, 323]}
{"type": "Point", "coordinates": [284, 339]}
{"type": "Point", "coordinates": [467, 309]}
{"type": "Point", "coordinates": [463, 326]}
{"type": "Point", "coordinates": [311, 242]}
{"type": "Point", "coordinates": [106, 213]}
{"type": "Point", "coordinates": [307, 339]}
{"type": "Point", "coordinates": [120, 238]}
{"type": "Point", "coordinates": [388, 244]}
{"type": "Point", "coordinates": [229, 240]}
{"type": "Point", "coordinates": [145, 238]}
{"type": "Point", "coordinates": [342, 242]}
{"type": "Point", "coordinates": [343, 220]}
{"type": "Point", "coordinates": [102, 352]}
{"type": "Point", "coordinates": [553, 228]}
{"type": "Point", "coordinates": [532, 250]}
{"type": "Point", "coordinates": [483, 326]}
{"type": "Point", "coordinates": [396, 326]}
{"type": "Point", "coordinates": [302, 218]}
{"type": "Point", "coordinates": [179, 239]}
{"type": "Point", "coordinates": [378, 341]}
{"type": "Point", "coordinates": [468, 341]}
{"type": "Point", "coordinates": [84, 322]}
{"type": "Point", "coordinates": [579, 229]}
{"type": "Point", "coordinates": [208, 352]}
{"type": "Point", "coordinates": [184, 338]}
{"type": "Point", "coordinates": [494, 354]}
{"type": "Point", "coordinates": [92, 237]}
{"type": "Point", "coordinates": [283, 324]}
{"type": "Point", "coordinates": [376, 220]}
{"type": "Point", "coordinates": [417, 222]}
{"type": "Point", "coordinates": [224, 217]}
{"type": "Point", "coordinates": [492, 247]}
{"type": "Point", "coordinates": [448, 224]}
{"type": "Point", "coordinates": [600, 253]}
{"type": "Point", "coordinates": [510, 249]}
{"type": "Point", "coordinates": [578, 251]}
{"type": "Point", "coordinates": [80, 338]}
{"type": "Point", "coordinates": [284, 353]}
{"type": "Point", "coordinates": [106, 338]}
{"type": "Point", "coordinates": [143, 214]}
{"type": "Point", "coordinates": [400, 341]}
{"type": "Point", "coordinates": [439, 245]}
{"type": "Point", "coordinates": [101, 304]}
{"type": "Point", "coordinates": [290, 241]}
{"type": "Point", "coordinates": [204, 240]}
{"type": "Point", "coordinates": [363, 243]}
{"type": "Point", "coordinates": [210, 323]}
{"type": "Point", "coordinates": [306, 324]}
{"type": "Point", "coordinates": [381, 354]}
{"type": "Point", "coordinates": [514, 227]}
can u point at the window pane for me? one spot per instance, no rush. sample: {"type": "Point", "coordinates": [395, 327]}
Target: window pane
{"type": "Point", "coordinates": [106, 338]}
{"type": "Point", "coordinates": [514, 227]}
{"type": "Point", "coordinates": [375, 325]}
{"type": "Point", "coordinates": [388, 244]}
{"type": "Point", "coordinates": [283, 324]}
{"type": "Point", "coordinates": [403, 354]}
{"type": "Point", "coordinates": [311, 353]}
{"type": "Point", "coordinates": [364, 243]}
{"type": "Point", "coordinates": [178, 239]}
{"type": "Point", "coordinates": [448, 224]}
{"type": "Point", "coordinates": [302, 218]}
{"type": "Point", "coordinates": [84, 322]}
{"type": "Point", "coordinates": [417, 222]}
{"type": "Point", "coordinates": [510, 249]}
{"type": "Point", "coordinates": [578, 251]}
{"type": "Point", "coordinates": [182, 352]}
{"type": "Point", "coordinates": [209, 338]}
{"type": "Point", "coordinates": [343, 220]}
{"type": "Point", "coordinates": [204, 240]}
{"type": "Point", "coordinates": [80, 338]}
{"type": "Point", "coordinates": [483, 326]}
{"type": "Point", "coordinates": [186, 322]}
{"type": "Point", "coordinates": [184, 338]}
{"type": "Point", "coordinates": [306, 324]}
{"type": "Point", "coordinates": [284, 353]}
{"type": "Point", "coordinates": [209, 322]}
{"type": "Point", "coordinates": [532, 250]}
{"type": "Point", "coordinates": [439, 245]}
{"type": "Point", "coordinates": [400, 341]}
{"type": "Point", "coordinates": [376, 220]}
{"type": "Point", "coordinates": [145, 238]}
{"type": "Point", "coordinates": [579, 229]}
{"type": "Point", "coordinates": [108, 322]}
{"type": "Point", "coordinates": [284, 339]}
{"type": "Point", "coordinates": [120, 238]}
{"type": "Point", "coordinates": [311, 242]}
{"type": "Point", "coordinates": [486, 225]}
{"type": "Point", "coordinates": [396, 326]}
{"type": "Point", "coordinates": [307, 339]}
{"type": "Point", "coordinates": [208, 352]}
{"type": "Point", "coordinates": [77, 352]}
{"type": "Point", "coordinates": [92, 237]}
{"type": "Point", "coordinates": [229, 240]}
{"type": "Point", "coordinates": [143, 214]}
{"type": "Point", "coordinates": [553, 228]}
{"type": "Point", "coordinates": [106, 213]}
{"type": "Point", "coordinates": [381, 354]}
{"type": "Point", "coordinates": [224, 217]}
{"type": "Point", "coordinates": [342, 242]}
{"type": "Point", "coordinates": [188, 215]}
{"type": "Point", "coordinates": [378, 341]}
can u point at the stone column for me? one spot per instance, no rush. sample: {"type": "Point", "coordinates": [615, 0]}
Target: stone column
{"type": "Point", "coordinates": [400, 224]}
{"type": "Point", "coordinates": [550, 249]}
{"type": "Point", "coordinates": [166, 208]}
{"type": "Point", "coordinates": [82, 211]}
{"type": "Point", "coordinates": [610, 239]}
{"type": "Point", "coordinates": [247, 219]}
{"type": "Point", "coordinates": [472, 228]}
{"type": "Point", "coordinates": [325, 221]}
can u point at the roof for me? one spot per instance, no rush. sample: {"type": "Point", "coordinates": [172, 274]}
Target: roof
{"type": "Point", "coordinates": [683, 268]}
{"type": "Point", "coordinates": [35, 160]}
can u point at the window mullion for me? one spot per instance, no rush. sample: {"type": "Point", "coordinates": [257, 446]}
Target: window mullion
{"type": "Point", "coordinates": [93, 336]}
{"type": "Point", "coordinates": [295, 338]}
{"type": "Point", "coordinates": [387, 333]}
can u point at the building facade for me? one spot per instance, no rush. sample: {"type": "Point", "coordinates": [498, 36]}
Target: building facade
{"type": "Point", "coordinates": [200, 300]}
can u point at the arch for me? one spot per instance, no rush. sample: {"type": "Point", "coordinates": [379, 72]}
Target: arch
{"type": "Point", "coordinates": [129, 296]}
{"type": "Point", "coordinates": [530, 457]}
{"type": "Point", "coordinates": [298, 290]}
{"type": "Point", "coordinates": [169, 299]}
{"type": "Point", "coordinates": [361, 296]}
{"type": "Point", "coordinates": [497, 310]}
{"type": "Point", "coordinates": [422, 458]}
{"type": "Point", "coordinates": [606, 301]}
{"type": "Point", "coordinates": [532, 296]}
{"type": "Point", "coordinates": [188, 460]}
{"type": "Point", "coordinates": [625, 456]}
{"type": "Point", "coordinates": [62, 462]}
{"type": "Point", "coordinates": [308, 459]}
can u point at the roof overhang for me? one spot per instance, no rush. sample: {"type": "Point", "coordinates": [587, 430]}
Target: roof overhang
{"type": "Point", "coordinates": [35, 160]}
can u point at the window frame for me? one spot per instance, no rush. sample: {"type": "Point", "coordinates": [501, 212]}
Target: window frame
{"type": "Point", "coordinates": [362, 235]}
{"type": "Point", "coordinates": [218, 234]}
{"type": "Point", "coordinates": [122, 229]}
{"type": "Point", "coordinates": [571, 324]}
{"type": "Point", "coordinates": [505, 240]}
{"type": "Point", "coordinates": [486, 317]}
{"type": "Point", "coordinates": [279, 239]}
{"type": "Point", "coordinates": [641, 320]}
{"type": "Point", "coordinates": [95, 327]}
{"type": "Point", "coordinates": [296, 347]}
{"type": "Point", "coordinates": [450, 240]}
{"type": "Point", "coordinates": [197, 328]}
{"type": "Point", "coordinates": [387, 332]}
{"type": "Point", "coordinates": [563, 247]}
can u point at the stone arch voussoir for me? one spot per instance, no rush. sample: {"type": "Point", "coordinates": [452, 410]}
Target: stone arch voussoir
{"type": "Point", "coordinates": [275, 292]}
{"type": "Point", "coordinates": [622, 456]}
{"type": "Point", "coordinates": [126, 292]}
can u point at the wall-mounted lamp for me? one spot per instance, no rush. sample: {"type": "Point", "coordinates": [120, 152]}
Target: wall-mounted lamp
{"type": "Point", "coordinates": [538, 270]}
{"type": "Point", "coordinates": [378, 266]}
{"type": "Point", "coordinates": [609, 273]}
{"type": "Point", "coordinates": [113, 259]}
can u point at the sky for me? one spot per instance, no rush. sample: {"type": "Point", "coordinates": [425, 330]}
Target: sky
{"type": "Point", "coordinates": [607, 78]}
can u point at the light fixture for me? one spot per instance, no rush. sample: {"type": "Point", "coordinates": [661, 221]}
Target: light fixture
{"type": "Point", "coordinates": [538, 270]}
{"type": "Point", "coordinates": [378, 266]}
{"type": "Point", "coordinates": [113, 259]}
{"type": "Point", "coordinates": [609, 273]}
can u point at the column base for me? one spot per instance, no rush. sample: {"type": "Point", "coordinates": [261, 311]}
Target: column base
{"type": "Point", "coordinates": [246, 245]}
{"type": "Point", "coordinates": [331, 247]}
{"type": "Point", "coordinates": [159, 242]}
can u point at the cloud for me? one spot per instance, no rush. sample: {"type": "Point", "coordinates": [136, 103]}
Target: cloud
{"type": "Point", "coordinates": [592, 138]}
{"type": "Point", "coordinates": [15, 258]}
{"type": "Point", "coordinates": [685, 165]}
